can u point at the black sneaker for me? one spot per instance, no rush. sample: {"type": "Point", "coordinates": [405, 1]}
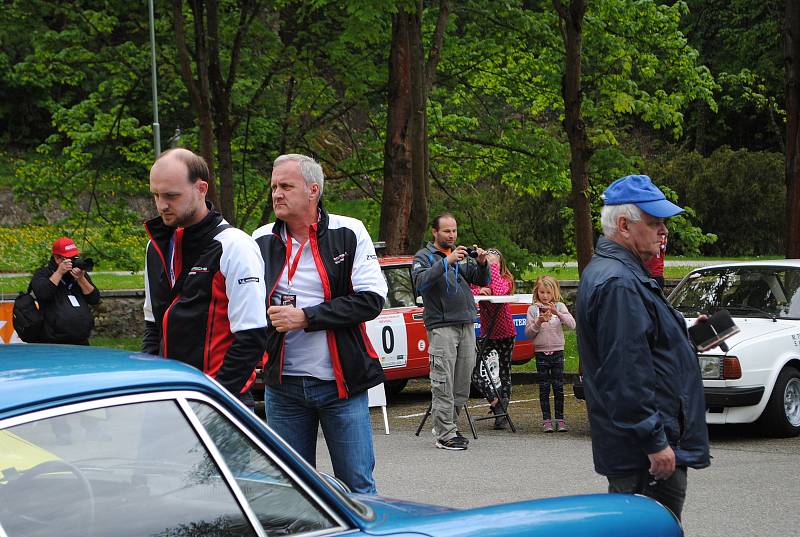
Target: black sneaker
{"type": "Point", "coordinates": [462, 438]}
{"type": "Point", "coordinates": [453, 444]}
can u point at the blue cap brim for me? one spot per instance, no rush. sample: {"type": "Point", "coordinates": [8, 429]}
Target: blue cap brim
{"type": "Point", "coordinates": [659, 208]}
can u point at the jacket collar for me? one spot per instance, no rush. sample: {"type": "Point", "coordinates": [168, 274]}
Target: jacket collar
{"type": "Point", "coordinates": [322, 224]}
{"type": "Point", "coordinates": [434, 250]}
{"type": "Point", "coordinates": [160, 232]}
{"type": "Point", "coordinates": [612, 250]}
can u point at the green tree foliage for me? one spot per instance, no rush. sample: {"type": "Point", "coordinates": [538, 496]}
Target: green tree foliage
{"type": "Point", "coordinates": [79, 75]}
{"type": "Point", "coordinates": [740, 42]}
{"type": "Point", "coordinates": [311, 77]}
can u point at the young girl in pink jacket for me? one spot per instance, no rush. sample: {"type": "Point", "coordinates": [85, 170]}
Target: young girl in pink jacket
{"type": "Point", "coordinates": [546, 318]}
{"type": "Point", "coordinates": [501, 340]}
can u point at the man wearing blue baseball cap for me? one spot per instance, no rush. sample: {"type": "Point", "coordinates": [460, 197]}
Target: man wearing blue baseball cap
{"type": "Point", "coordinates": [641, 379]}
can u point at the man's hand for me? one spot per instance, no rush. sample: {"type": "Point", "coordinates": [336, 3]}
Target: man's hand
{"type": "Point", "coordinates": [481, 254]}
{"type": "Point", "coordinates": [457, 255]}
{"type": "Point", "coordinates": [662, 463]}
{"type": "Point", "coordinates": [64, 267]}
{"type": "Point", "coordinates": [78, 274]}
{"type": "Point", "coordinates": [285, 318]}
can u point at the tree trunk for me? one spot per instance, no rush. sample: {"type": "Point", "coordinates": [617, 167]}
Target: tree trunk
{"type": "Point", "coordinates": [226, 191]}
{"type": "Point", "coordinates": [396, 207]}
{"type": "Point", "coordinates": [418, 220]}
{"type": "Point", "coordinates": [572, 28]}
{"type": "Point", "coordinates": [404, 215]}
{"type": "Point", "coordinates": [791, 47]}
{"type": "Point", "coordinates": [198, 89]}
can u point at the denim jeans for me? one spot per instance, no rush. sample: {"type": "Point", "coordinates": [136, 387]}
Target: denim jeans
{"type": "Point", "coordinates": [299, 405]}
{"type": "Point", "coordinates": [670, 492]}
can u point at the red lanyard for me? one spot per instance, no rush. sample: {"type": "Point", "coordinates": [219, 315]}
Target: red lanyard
{"type": "Point", "coordinates": [291, 267]}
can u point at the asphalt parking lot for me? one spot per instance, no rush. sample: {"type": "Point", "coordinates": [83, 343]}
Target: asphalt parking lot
{"type": "Point", "coordinates": [751, 488]}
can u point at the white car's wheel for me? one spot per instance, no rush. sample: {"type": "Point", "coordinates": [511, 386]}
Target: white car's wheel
{"type": "Point", "coordinates": [782, 414]}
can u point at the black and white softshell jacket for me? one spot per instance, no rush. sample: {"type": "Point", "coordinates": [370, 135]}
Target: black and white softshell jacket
{"type": "Point", "coordinates": [354, 292]}
{"type": "Point", "coordinates": [212, 317]}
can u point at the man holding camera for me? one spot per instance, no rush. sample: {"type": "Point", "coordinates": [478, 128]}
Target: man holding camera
{"type": "Point", "coordinates": [64, 292]}
{"type": "Point", "coordinates": [442, 273]}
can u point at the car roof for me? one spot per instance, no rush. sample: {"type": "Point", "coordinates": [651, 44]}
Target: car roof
{"type": "Point", "coordinates": [787, 263]}
{"type": "Point", "coordinates": [39, 375]}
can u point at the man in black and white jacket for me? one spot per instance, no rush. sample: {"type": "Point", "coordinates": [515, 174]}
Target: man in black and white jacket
{"type": "Point", "coordinates": [204, 297]}
{"type": "Point", "coordinates": [323, 283]}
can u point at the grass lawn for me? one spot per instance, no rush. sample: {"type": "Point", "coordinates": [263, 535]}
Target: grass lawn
{"type": "Point", "coordinates": [570, 356]}
{"type": "Point", "coordinates": [571, 273]}
{"type": "Point", "coordinates": [125, 343]}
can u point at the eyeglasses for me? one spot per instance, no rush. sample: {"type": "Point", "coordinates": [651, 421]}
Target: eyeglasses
{"type": "Point", "coordinates": [492, 251]}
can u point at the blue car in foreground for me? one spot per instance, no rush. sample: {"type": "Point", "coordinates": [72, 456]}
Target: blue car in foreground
{"type": "Point", "coordinates": [95, 442]}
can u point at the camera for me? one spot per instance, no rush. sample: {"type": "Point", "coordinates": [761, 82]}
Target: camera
{"type": "Point", "coordinates": [472, 252]}
{"type": "Point", "coordinates": [85, 265]}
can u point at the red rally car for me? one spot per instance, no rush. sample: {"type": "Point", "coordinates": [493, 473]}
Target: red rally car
{"type": "Point", "coordinates": [398, 333]}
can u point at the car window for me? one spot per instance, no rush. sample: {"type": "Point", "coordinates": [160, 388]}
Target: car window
{"type": "Point", "coordinates": [130, 470]}
{"type": "Point", "coordinates": [281, 506]}
{"type": "Point", "coordinates": [744, 291]}
{"type": "Point", "coordinates": [401, 290]}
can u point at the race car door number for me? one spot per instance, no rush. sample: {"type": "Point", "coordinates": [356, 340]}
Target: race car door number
{"type": "Point", "coordinates": [387, 333]}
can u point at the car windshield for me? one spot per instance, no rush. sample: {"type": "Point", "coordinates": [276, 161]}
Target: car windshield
{"type": "Point", "coordinates": [744, 291]}
{"type": "Point", "coordinates": [142, 470]}
{"type": "Point", "coordinates": [401, 292]}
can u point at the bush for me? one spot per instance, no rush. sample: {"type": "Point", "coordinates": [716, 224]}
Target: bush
{"type": "Point", "coordinates": [738, 195]}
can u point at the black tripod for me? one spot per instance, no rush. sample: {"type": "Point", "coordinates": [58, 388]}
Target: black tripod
{"type": "Point", "coordinates": [480, 350]}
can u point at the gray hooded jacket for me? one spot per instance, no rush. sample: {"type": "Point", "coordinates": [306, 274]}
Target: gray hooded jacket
{"type": "Point", "coordinates": [445, 288]}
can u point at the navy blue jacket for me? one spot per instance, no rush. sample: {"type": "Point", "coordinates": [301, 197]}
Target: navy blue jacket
{"type": "Point", "coordinates": [641, 375]}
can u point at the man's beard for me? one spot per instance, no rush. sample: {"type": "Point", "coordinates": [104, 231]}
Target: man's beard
{"type": "Point", "coordinates": [182, 219]}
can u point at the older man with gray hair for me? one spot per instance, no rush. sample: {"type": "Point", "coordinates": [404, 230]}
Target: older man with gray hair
{"type": "Point", "coordinates": [641, 376]}
{"type": "Point", "coordinates": [323, 283]}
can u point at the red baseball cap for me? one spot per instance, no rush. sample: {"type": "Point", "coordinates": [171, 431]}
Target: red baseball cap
{"type": "Point", "coordinates": [65, 247]}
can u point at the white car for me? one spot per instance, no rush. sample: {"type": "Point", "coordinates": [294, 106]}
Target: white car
{"type": "Point", "coordinates": [757, 379]}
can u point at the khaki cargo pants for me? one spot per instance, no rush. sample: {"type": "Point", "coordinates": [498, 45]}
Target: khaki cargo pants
{"type": "Point", "coordinates": [451, 351]}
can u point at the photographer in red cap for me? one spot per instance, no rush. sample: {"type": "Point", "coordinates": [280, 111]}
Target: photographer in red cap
{"type": "Point", "coordinates": [64, 292]}
{"type": "Point", "coordinates": [642, 382]}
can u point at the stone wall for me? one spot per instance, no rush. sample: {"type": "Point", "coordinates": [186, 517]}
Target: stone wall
{"type": "Point", "coordinates": [119, 314]}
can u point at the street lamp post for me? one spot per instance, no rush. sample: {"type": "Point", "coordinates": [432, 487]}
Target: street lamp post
{"type": "Point", "coordinates": [156, 127]}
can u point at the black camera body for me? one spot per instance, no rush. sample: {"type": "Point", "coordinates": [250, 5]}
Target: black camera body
{"type": "Point", "coordinates": [85, 265]}
{"type": "Point", "coordinates": [472, 252]}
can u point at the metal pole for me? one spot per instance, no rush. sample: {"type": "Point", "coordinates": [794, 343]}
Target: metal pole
{"type": "Point", "coordinates": [156, 127]}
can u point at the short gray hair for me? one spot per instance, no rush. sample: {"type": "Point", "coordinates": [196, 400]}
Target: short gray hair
{"type": "Point", "coordinates": [309, 168]}
{"type": "Point", "coordinates": [609, 215]}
